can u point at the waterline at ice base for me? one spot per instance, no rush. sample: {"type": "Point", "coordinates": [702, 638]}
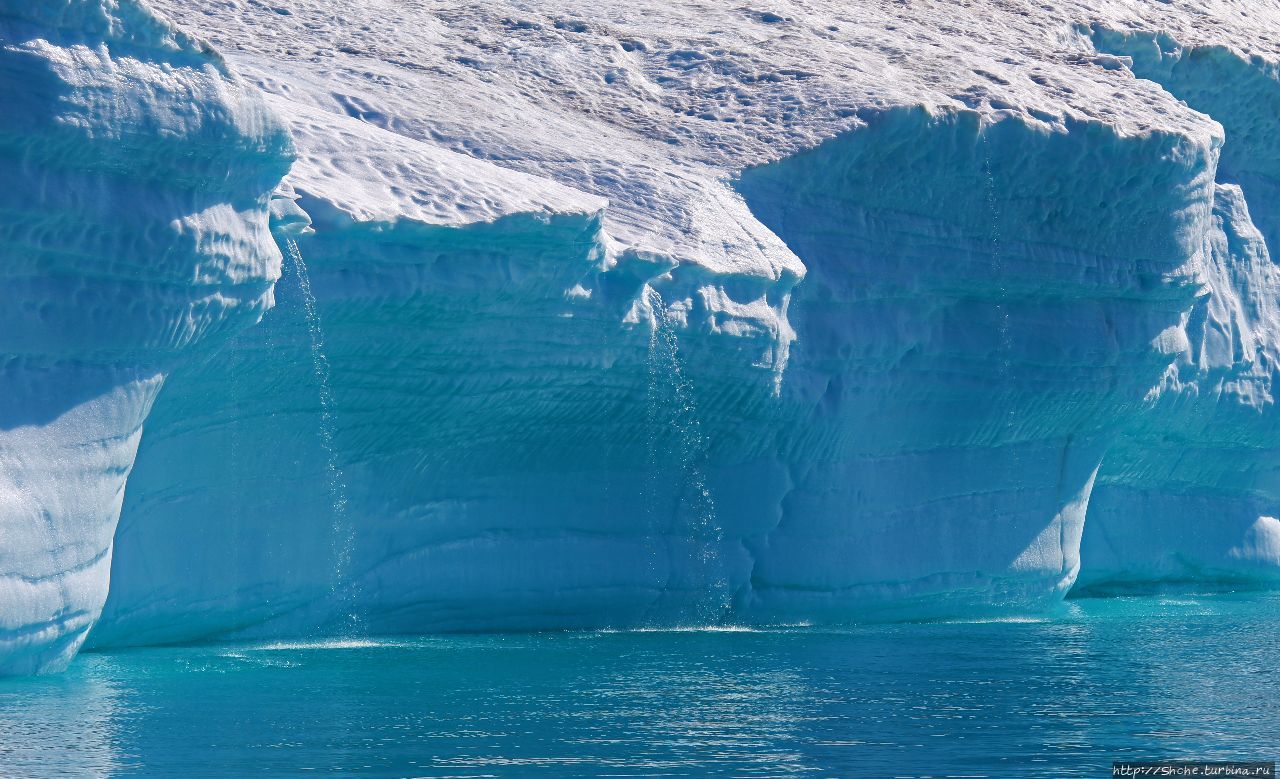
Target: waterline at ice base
{"type": "Point", "coordinates": [345, 324]}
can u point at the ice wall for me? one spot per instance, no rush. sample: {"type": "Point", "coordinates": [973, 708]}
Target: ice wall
{"type": "Point", "coordinates": [981, 315]}
{"type": "Point", "coordinates": [1191, 492]}
{"type": "Point", "coordinates": [626, 315]}
{"type": "Point", "coordinates": [532, 427]}
{"type": "Point", "coordinates": [505, 433]}
{"type": "Point", "coordinates": [133, 230]}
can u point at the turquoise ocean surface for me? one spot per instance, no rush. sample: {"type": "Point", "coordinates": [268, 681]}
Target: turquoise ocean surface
{"type": "Point", "coordinates": [1176, 676]}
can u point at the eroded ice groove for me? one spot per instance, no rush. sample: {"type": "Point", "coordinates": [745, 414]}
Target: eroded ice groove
{"type": "Point", "coordinates": [958, 384]}
{"type": "Point", "coordinates": [136, 172]}
{"type": "Point", "coordinates": [1190, 494]}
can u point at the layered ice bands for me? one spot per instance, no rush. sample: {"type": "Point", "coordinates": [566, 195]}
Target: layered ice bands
{"type": "Point", "coordinates": [978, 321]}
{"type": "Point", "coordinates": [468, 410]}
{"type": "Point", "coordinates": [628, 314]}
{"type": "Point", "coordinates": [133, 231]}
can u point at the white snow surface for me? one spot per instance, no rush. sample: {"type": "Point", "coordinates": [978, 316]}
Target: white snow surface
{"type": "Point", "coordinates": [372, 175]}
{"type": "Point", "coordinates": [657, 105]}
{"type": "Point", "coordinates": [642, 314]}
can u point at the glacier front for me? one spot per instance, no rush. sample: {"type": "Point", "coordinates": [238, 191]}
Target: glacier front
{"type": "Point", "coordinates": [137, 171]}
{"type": "Point", "coordinates": [632, 316]}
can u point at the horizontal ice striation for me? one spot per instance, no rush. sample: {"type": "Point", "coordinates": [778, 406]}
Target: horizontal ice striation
{"type": "Point", "coordinates": [133, 230]}
{"type": "Point", "coordinates": [978, 321]}
{"type": "Point", "coordinates": [880, 375]}
{"type": "Point", "coordinates": [549, 357]}
{"type": "Point", "coordinates": [1192, 492]}
{"type": "Point", "coordinates": [501, 434]}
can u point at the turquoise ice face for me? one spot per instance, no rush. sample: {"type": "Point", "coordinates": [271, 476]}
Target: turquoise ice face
{"type": "Point", "coordinates": [623, 324]}
{"type": "Point", "coordinates": [136, 172]}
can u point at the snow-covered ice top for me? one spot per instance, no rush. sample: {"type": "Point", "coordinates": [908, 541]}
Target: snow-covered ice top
{"type": "Point", "coordinates": [372, 175]}
{"type": "Point", "coordinates": [656, 105]}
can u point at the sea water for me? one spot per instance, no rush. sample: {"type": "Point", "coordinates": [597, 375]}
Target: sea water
{"type": "Point", "coordinates": [1177, 676]}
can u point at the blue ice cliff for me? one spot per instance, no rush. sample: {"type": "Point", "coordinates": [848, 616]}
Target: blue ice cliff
{"type": "Point", "coordinates": [550, 316]}
{"type": "Point", "coordinates": [133, 235]}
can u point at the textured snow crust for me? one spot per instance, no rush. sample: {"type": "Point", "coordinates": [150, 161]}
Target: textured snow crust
{"type": "Point", "coordinates": [691, 313]}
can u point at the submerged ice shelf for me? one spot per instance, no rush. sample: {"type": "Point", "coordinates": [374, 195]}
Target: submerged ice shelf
{"type": "Point", "coordinates": [596, 320]}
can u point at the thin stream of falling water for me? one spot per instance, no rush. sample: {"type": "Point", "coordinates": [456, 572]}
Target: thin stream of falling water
{"type": "Point", "coordinates": [672, 411]}
{"type": "Point", "coordinates": [997, 264]}
{"type": "Point", "coordinates": [653, 489]}
{"type": "Point", "coordinates": [238, 397]}
{"type": "Point", "coordinates": [343, 533]}
{"type": "Point", "coordinates": [1004, 369]}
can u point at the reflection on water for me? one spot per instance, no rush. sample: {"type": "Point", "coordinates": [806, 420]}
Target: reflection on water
{"type": "Point", "coordinates": [60, 725]}
{"type": "Point", "coordinates": [1190, 677]}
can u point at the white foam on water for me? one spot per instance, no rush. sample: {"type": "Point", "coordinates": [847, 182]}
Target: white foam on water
{"type": "Point", "coordinates": [337, 643]}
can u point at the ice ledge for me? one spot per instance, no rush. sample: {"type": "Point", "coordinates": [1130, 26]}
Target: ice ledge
{"type": "Point", "coordinates": [360, 173]}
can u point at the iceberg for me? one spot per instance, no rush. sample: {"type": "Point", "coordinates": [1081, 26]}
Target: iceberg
{"type": "Point", "coordinates": [1190, 495]}
{"type": "Point", "coordinates": [135, 233]}
{"type": "Point", "coordinates": [510, 319]}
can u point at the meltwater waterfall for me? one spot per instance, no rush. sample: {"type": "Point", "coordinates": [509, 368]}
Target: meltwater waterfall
{"type": "Point", "coordinates": [342, 590]}
{"type": "Point", "coordinates": [677, 443]}
{"type": "Point", "coordinates": [1006, 382]}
